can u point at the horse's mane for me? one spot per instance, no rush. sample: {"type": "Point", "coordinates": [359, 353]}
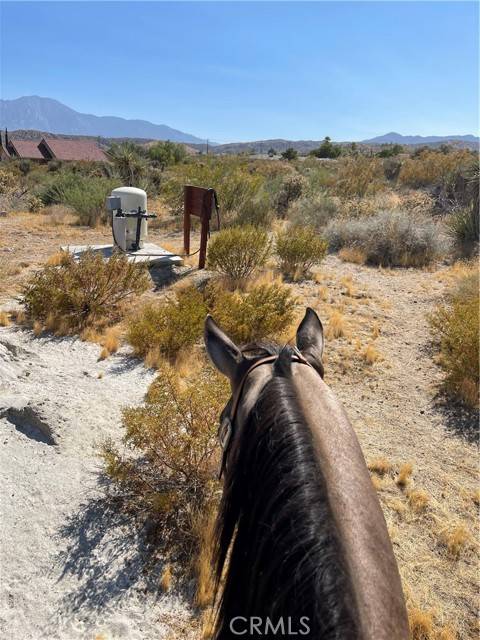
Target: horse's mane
{"type": "Point", "coordinates": [277, 548]}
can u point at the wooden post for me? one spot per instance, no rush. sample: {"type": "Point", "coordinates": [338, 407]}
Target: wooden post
{"type": "Point", "coordinates": [197, 202]}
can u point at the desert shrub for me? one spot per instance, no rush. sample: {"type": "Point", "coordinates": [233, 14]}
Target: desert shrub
{"type": "Point", "coordinates": [34, 204]}
{"type": "Point", "coordinates": [129, 162]}
{"type": "Point", "coordinates": [169, 326]}
{"type": "Point", "coordinates": [25, 166]}
{"type": "Point", "coordinates": [168, 475]}
{"type": "Point", "coordinates": [290, 154]}
{"type": "Point", "coordinates": [298, 250]}
{"type": "Point", "coordinates": [327, 150]}
{"type": "Point", "coordinates": [85, 194]}
{"type": "Point", "coordinates": [359, 176]}
{"type": "Point", "coordinates": [79, 293]}
{"type": "Point", "coordinates": [234, 183]}
{"type": "Point", "coordinates": [455, 325]}
{"type": "Point", "coordinates": [256, 212]}
{"type": "Point", "coordinates": [54, 165]}
{"type": "Point", "coordinates": [390, 150]}
{"type": "Point", "coordinates": [291, 189]}
{"type": "Point", "coordinates": [463, 226]}
{"type": "Point", "coordinates": [265, 311]}
{"type": "Point", "coordinates": [313, 211]}
{"type": "Point", "coordinates": [166, 153]}
{"type": "Point", "coordinates": [432, 167]}
{"type": "Point", "coordinates": [238, 251]}
{"type": "Point", "coordinates": [87, 198]}
{"type": "Point", "coordinates": [389, 238]}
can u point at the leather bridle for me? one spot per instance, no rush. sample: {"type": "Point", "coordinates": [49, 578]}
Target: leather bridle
{"type": "Point", "coordinates": [225, 430]}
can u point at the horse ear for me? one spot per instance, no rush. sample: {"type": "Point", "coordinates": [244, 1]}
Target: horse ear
{"type": "Point", "coordinates": [224, 354]}
{"type": "Point", "coordinates": [310, 339]}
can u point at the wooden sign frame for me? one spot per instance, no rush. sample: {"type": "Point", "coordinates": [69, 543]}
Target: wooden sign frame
{"type": "Point", "coordinates": [199, 202]}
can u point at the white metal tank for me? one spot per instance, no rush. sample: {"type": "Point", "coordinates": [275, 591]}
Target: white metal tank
{"type": "Point", "coordinates": [125, 229]}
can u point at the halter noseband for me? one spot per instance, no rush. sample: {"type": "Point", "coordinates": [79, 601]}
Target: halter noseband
{"type": "Point", "coordinates": [225, 430]}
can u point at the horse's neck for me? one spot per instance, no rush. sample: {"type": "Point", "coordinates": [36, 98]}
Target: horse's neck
{"type": "Point", "coordinates": [356, 511]}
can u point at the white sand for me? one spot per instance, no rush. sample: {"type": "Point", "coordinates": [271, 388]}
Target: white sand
{"type": "Point", "coordinates": [68, 568]}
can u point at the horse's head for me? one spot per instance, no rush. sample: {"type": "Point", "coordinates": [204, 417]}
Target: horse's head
{"type": "Point", "coordinates": [241, 364]}
{"type": "Point", "coordinates": [299, 531]}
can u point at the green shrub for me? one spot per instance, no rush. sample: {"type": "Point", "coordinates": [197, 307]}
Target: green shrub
{"type": "Point", "coordinates": [463, 226]}
{"type": "Point", "coordinates": [234, 183]}
{"type": "Point", "coordinates": [359, 176]}
{"type": "Point", "coordinates": [168, 477]}
{"type": "Point", "coordinates": [76, 294]}
{"type": "Point", "coordinates": [313, 211]}
{"type": "Point", "coordinates": [290, 154]}
{"type": "Point", "coordinates": [238, 251]}
{"type": "Point", "coordinates": [291, 189]}
{"type": "Point", "coordinates": [455, 325]}
{"type": "Point", "coordinates": [167, 153]}
{"type": "Point", "coordinates": [169, 326]}
{"type": "Point", "coordinates": [327, 150]}
{"type": "Point", "coordinates": [390, 150]}
{"type": "Point", "coordinates": [85, 194]}
{"type": "Point", "coordinates": [129, 162]}
{"type": "Point", "coordinates": [298, 250]}
{"type": "Point", "coordinates": [263, 312]}
{"type": "Point", "coordinates": [389, 238]}
{"type": "Point", "coordinates": [256, 212]}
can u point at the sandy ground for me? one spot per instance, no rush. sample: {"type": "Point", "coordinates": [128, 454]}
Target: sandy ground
{"type": "Point", "coordinates": [70, 568]}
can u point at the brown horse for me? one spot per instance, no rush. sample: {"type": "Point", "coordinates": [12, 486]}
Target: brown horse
{"type": "Point", "coordinates": [302, 547]}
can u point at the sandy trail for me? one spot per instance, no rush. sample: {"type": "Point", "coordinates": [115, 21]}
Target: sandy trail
{"type": "Point", "coordinates": [70, 568]}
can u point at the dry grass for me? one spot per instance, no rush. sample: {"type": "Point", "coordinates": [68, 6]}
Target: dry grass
{"type": "Point", "coordinates": [337, 325]}
{"type": "Point", "coordinates": [380, 466]}
{"type": "Point", "coordinates": [37, 328]}
{"type": "Point", "coordinates": [111, 339]}
{"type": "Point", "coordinates": [347, 284]}
{"type": "Point", "coordinates": [397, 505]}
{"type": "Point", "coordinates": [204, 525]}
{"type": "Point", "coordinates": [370, 354]}
{"type": "Point", "coordinates": [418, 500]}
{"type": "Point", "coordinates": [352, 254]}
{"type": "Point", "coordinates": [447, 633]}
{"type": "Point", "coordinates": [456, 538]}
{"type": "Point", "coordinates": [55, 259]}
{"type": "Point", "coordinates": [104, 354]}
{"type": "Point", "coordinates": [421, 624]}
{"type": "Point", "coordinates": [166, 578]}
{"type": "Point", "coordinates": [404, 474]}
{"type": "Point", "coordinates": [4, 319]}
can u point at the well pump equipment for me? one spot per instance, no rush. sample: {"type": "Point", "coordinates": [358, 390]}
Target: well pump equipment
{"type": "Point", "coordinates": [128, 206]}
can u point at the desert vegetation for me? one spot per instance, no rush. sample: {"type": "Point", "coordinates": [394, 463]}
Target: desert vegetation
{"type": "Point", "coordinates": [369, 239]}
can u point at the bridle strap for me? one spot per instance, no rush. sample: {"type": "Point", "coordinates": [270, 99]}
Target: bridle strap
{"type": "Point", "coordinates": [225, 431]}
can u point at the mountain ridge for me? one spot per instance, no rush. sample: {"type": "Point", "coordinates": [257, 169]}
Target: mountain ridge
{"type": "Point", "coordinates": [48, 114]}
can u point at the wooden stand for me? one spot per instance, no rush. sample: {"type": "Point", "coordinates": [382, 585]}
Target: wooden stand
{"type": "Point", "coordinates": [198, 202]}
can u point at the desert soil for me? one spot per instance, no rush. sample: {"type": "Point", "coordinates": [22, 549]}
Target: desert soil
{"type": "Point", "coordinates": [71, 568]}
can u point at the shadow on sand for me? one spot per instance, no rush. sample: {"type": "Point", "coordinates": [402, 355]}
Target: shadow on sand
{"type": "Point", "coordinates": [459, 419]}
{"type": "Point", "coordinates": [108, 557]}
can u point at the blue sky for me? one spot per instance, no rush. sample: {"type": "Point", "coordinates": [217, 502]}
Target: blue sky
{"type": "Point", "coordinates": [246, 71]}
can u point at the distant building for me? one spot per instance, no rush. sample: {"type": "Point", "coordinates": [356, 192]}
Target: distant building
{"type": "Point", "coordinates": [48, 149]}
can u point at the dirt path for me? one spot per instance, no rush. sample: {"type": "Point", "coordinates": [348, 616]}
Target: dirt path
{"type": "Point", "coordinates": [398, 415]}
{"type": "Point", "coordinates": [63, 548]}
{"type": "Point", "coordinates": [70, 567]}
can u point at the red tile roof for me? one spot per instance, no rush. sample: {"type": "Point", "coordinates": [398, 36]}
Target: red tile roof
{"type": "Point", "coordinates": [27, 149]}
{"type": "Point", "coordinates": [75, 150]}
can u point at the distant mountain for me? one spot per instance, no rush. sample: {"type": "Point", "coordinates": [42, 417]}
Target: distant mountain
{"type": "Point", "coordinates": [397, 138]}
{"type": "Point", "coordinates": [45, 114]}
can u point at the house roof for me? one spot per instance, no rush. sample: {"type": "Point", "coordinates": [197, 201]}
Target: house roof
{"type": "Point", "coordinates": [74, 149]}
{"type": "Point", "coordinates": [27, 149]}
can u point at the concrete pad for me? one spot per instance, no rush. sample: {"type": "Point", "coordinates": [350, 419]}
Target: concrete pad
{"type": "Point", "coordinates": [151, 253]}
